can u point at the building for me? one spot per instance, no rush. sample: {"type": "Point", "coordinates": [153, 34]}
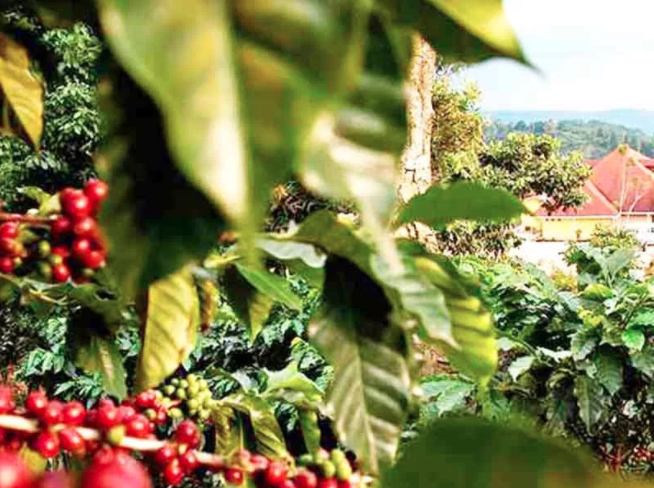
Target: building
{"type": "Point", "coordinates": [620, 192]}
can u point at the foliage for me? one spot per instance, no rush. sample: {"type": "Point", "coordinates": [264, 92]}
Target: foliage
{"type": "Point", "coordinates": [575, 363]}
{"type": "Point", "coordinates": [593, 138]}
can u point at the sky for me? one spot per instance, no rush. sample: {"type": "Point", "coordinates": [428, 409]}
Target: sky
{"type": "Point", "coordinates": [593, 54]}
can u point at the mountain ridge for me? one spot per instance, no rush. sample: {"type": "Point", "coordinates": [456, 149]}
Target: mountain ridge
{"type": "Point", "coordinates": [634, 118]}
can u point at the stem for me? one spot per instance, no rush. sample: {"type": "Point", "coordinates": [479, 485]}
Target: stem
{"type": "Point", "coordinates": [27, 219]}
{"type": "Point", "coordinates": [17, 423]}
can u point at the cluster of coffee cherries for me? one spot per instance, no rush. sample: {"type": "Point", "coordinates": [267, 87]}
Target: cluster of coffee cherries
{"type": "Point", "coordinates": [66, 246]}
{"type": "Point", "coordinates": [188, 397]}
{"type": "Point", "coordinates": [641, 456]}
{"type": "Point", "coordinates": [112, 435]}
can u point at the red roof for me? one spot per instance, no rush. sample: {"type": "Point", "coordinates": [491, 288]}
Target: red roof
{"type": "Point", "coordinates": [621, 181]}
{"type": "Point", "coordinates": [624, 181]}
{"type": "Point", "coordinates": [597, 205]}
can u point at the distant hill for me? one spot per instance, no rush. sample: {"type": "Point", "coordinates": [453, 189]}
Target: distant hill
{"type": "Point", "coordinates": [639, 119]}
{"type": "Point", "coordinates": [593, 138]}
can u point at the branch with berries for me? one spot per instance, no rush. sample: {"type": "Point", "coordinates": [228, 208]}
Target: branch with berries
{"type": "Point", "coordinates": [57, 247]}
{"type": "Point", "coordinates": [112, 436]}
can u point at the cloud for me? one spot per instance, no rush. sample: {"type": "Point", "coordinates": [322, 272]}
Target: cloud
{"type": "Point", "coordinates": [595, 54]}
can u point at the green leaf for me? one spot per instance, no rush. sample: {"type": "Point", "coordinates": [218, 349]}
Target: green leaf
{"type": "Point", "coordinates": [520, 366]}
{"type": "Point", "coordinates": [101, 356]}
{"type": "Point", "coordinates": [272, 285]}
{"type": "Point", "coordinates": [644, 362]}
{"type": "Point", "coordinates": [290, 378]}
{"type": "Point", "coordinates": [440, 206]}
{"type": "Point", "coordinates": [466, 30]}
{"type": "Point", "coordinates": [475, 453]}
{"type": "Point", "coordinates": [370, 393]}
{"type": "Point", "coordinates": [155, 221]}
{"type": "Point", "coordinates": [609, 371]}
{"type": "Point", "coordinates": [446, 396]}
{"type": "Point", "coordinates": [472, 323]}
{"type": "Point", "coordinates": [268, 434]}
{"type": "Point", "coordinates": [228, 428]}
{"type": "Point", "coordinates": [354, 155]}
{"type": "Point", "coordinates": [169, 334]}
{"type": "Point", "coordinates": [20, 91]}
{"type": "Point", "coordinates": [597, 291]}
{"type": "Point", "coordinates": [634, 339]}
{"type": "Point", "coordinates": [582, 343]}
{"type": "Point", "coordinates": [643, 318]}
{"type": "Point", "coordinates": [303, 259]}
{"type": "Point", "coordinates": [241, 85]}
{"type": "Point", "coordinates": [252, 307]}
{"type": "Point", "coordinates": [35, 193]}
{"type": "Point", "coordinates": [591, 400]}
{"type": "Point", "coordinates": [618, 261]}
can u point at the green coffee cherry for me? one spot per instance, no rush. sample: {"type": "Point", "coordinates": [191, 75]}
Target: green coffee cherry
{"type": "Point", "coordinates": [44, 269]}
{"type": "Point", "coordinates": [321, 455]}
{"type": "Point", "coordinates": [183, 384]}
{"type": "Point", "coordinates": [169, 390]}
{"type": "Point", "coordinates": [88, 272]}
{"type": "Point", "coordinates": [337, 456]}
{"type": "Point", "coordinates": [343, 470]}
{"type": "Point", "coordinates": [193, 404]}
{"type": "Point", "coordinates": [151, 414]}
{"type": "Point", "coordinates": [204, 414]}
{"type": "Point", "coordinates": [116, 435]}
{"type": "Point", "coordinates": [43, 249]}
{"type": "Point", "coordinates": [181, 393]}
{"type": "Point", "coordinates": [204, 385]}
{"type": "Point", "coordinates": [56, 260]}
{"type": "Point", "coordinates": [305, 460]}
{"type": "Point", "coordinates": [158, 395]}
{"type": "Point", "coordinates": [328, 469]}
{"type": "Point", "coordinates": [174, 382]}
{"type": "Point", "coordinates": [193, 390]}
{"type": "Point", "coordinates": [175, 413]}
{"type": "Point", "coordinates": [191, 378]}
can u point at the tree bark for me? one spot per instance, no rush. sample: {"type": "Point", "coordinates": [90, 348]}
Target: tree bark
{"type": "Point", "coordinates": [416, 159]}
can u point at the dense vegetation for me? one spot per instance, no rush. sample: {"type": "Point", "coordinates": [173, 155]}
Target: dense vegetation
{"type": "Point", "coordinates": [593, 138]}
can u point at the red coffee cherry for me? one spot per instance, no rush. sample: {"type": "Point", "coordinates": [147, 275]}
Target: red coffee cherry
{"type": "Point", "coordinates": [189, 461]}
{"type": "Point", "coordinates": [287, 484]}
{"type": "Point", "coordinates": [173, 474]}
{"type": "Point", "coordinates": [125, 413]}
{"type": "Point", "coordinates": [86, 227]}
{"type": "Point", "coordinates": [62, 251]}
{"type": "Point", "coordinates": [52, 414]}
{"type": "Point", "coordinates": [276, 473]}
{"type": "Point", "coordinates": [188, 433]}
{"type": "Point", "coordinates": [146, 399]}
{"type": "Point", "coordinates": [74, 413]}
{"type": "Point", "coordinates": [36, 402]}
{"type": "Point", "coordinates": [7, 265]}
{"type": "Point", "coordinates": [10, 247]}
{"type": "Point", "coordinates": [107, 416]}
{"type": "Point", "coordinates": [234, 476]}
{"type": "Point", "coordinates": [72, 441]}
{"type": "Point", "coordinates": [61, 273]}
{"type": "Point", "coordinates": [96, 191]}
{"type": "Point", "coordinates": [13, 472]}
{"type": "Point", "coordinates": [9, 230]}
{"type": "Point", "coordinates": [138, 426]}
{"type": "Point", "coordinates": [165, 455]}
{"type": "Point", "coordinates": [6, 400]}
{"type": "Point", "coordinates": [76, 205]}
{"type": "Point", "coordinates": [61, 226]}
{"type": "Point", "coordinates": [113, 468]}
{"type": "Point", "coordinates": [259, 462]}
{"type": "Point", "coordinates": [306, 479]}
{"type": "Point", "coordinates": [46, 444]}
{"type": "Point", "coordinates": [328, 483]}
{"type": "Point", "coordinates": [55, 479]}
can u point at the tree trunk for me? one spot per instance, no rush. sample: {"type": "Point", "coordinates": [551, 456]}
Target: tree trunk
{"type": "Point", "coordinates": [416, 159]}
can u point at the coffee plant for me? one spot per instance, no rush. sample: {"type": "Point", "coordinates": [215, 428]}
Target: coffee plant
{"type": "Point", "coordinates": [207, 107]}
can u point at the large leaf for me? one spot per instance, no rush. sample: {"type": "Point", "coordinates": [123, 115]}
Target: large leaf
{"type": "Point", "coordinates": [474, 453]}
{"type": "Point", "coordinates": [272, 285]}
{"type": "Point", "coordinates": [591, 400]}
{"type": "Point", "coordinates": [370, 393]}
{"type": "Point", "coordinates": [20, 91]}
{"type": "Point", "coordinates": [609, 371]}
{"type": "Point", "coordinates": [228, 427]}
{"type": "Point", "coordinates": [634, 339]}
{"type": "Point", "coordinates": [303, 259]}
{"type": "Point", "coordinates": [268, 435]}
{"type": "Point", "coordinates": [355, 153]}
{"type": "Point", "coordinates": [155, 221]}
{"type": "Point", "coordinates": [241, 84]}
{"type": "Point", "coordinates": [465, 30]}
{"type": "Point", "coordinates": [472, 325]}
{"type": "Point", "coordinates": [444, 396]}
{"type": "Point", "coordinates": [251, 306]}
{"type": "Point", "coordinates": [169, 334]}
{"type": "Point", "coordinates": [100, 355]}
{"type": "Point", "coordinates": [440, 206]}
